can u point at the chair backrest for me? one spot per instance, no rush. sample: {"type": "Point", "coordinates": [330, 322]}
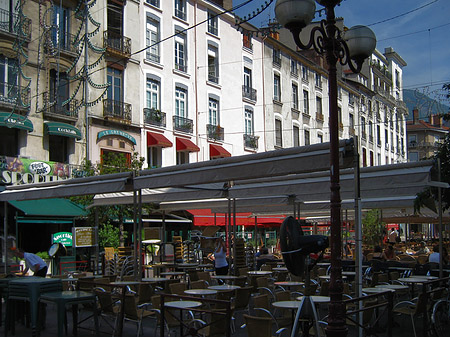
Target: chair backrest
{"type": "Point", "coordinates": [281, 276]}
{"type": "Point", "coordinates": [105, 300]}
{"type": "Point", "coordinates": [266, 267]}
{"type": "Point", "coordinates": [394, 275]}
{"type": "Point", "coordinates": [243, 296]}
{"type": "Point", "coordinates": [128, 278]}
{"type": "Point", "coordinates": [240, 281]}
{"type": "Point", "coordinates": [204, 275]}
{"type": "Point", "coordinates": [261, 301]}
{"type": "Point", "coordinates": [421, 305]}
{"type": "Point", "coordinates": [219, 324]}
{"type": "Point", "coordinates": [422, 259]}
{"type": "Point", "coordinates": [200, 284]}
{"type": "Point", "coordinates": [102, 280]}
{"type": "Point", "coordinates": [262, 282]}
{"type": "Point", "coordinates": [177, 288]}
{"type": "Point", "coordinates": [131, 307]}
{"type": "Point", "coordinates": [145, 293]}
{"type": "Point", "coordinates": [258, 326]}
{"type": "Point", "coordinates": [283, 295]}
{"type": "Point", "coordinates": [383, 278]}
{"type": "Point", "coordinates": [243, 271]}
{"type": "Point", "coordinates": [193, 275]}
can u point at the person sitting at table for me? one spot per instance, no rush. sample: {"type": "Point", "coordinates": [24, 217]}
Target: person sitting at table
{"type": "Point", "coordinates": [434, 257]}
{"type": "Point", "coordinates": [377, 253]}
{"type": "Point", "coordinates": [32, 261]}
{"type": "Point", "coordinates": [423, 249]}
{"type": "Point", "coordinates": [389, 253]}
{"type": "Point", "coordinates": [264, 257]}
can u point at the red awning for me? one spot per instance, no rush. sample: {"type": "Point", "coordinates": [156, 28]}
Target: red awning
{"type": "Point", "coordinates": [217, 151]}
{"type": "Point", "coordinates": [204, 217]}
{"type": "Point", "coordinates": [157, 139]}
{"type": "Point", "coordinates": [184, 144]}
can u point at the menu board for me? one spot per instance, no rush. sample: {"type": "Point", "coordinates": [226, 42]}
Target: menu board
{"type": "Point", "coordinates": [84, 236]}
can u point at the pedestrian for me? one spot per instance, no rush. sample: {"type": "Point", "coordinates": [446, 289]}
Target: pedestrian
{"type": "Point", "coordinates": [220, 257]}
{"type": "Point", "coordinates": [32, 262]}
{"type": "Point", "coordinates": [392, 237]}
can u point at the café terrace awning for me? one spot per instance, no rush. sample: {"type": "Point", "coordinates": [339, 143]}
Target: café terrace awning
{"type": "Point", "coordinates": [62, 129]}
{"type": "Point", "coordinates": [12, 120]}
{"type": "Point", "coordinates": [49, 207]}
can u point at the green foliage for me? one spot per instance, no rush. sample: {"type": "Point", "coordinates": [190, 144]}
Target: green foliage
{"type": "Point", "coordinates": [372, 228]}
{"type": "Point", "coordinates": [108, 236]}
{"type": "Point", "coordinates": [43, 255]}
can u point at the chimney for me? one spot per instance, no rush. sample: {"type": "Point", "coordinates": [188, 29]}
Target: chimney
{"type": "Point", "coordinates": [415, 115]}
{"type": "Point", "coordinates": [436, 120]}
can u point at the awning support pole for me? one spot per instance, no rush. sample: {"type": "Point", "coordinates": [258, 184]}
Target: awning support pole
{"type": "Point", "coordinates": [441, 270]}
{"type": "Point", "coordinates": [233, 241]}
{"type": "Point", "coordinates": [5, 234]}
{"type": "Point", "coordinates": [140, 234]}
{"type": "Point", "coordinates": [358, 238]}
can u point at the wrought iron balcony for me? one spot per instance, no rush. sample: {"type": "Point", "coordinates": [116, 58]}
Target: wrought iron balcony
{"type": "Point", "coordinates": [61, 40]}
{"type": "Point", "coordinates": [251, 141]}
{"type": "Point", "coordinates": [11, 93]}
{"type": "Point", "coordinates": [249, 93]}
{"type": "Point", "coordinates": [215, 132]}
{"type": "Point", "coordinates": [12, 23]}
{"type": "Point", "coordinates": [117, 44]}
{"type": "Point", "coordinates": [152, 57]}
{"type": "Point", "coordinates": [117, 110]}
{"type": "Point", "coordinates": [183, 124]}
{"type": "Point", "coordinates": [154, 117]}
{"type": "Point", "coordinates": [320, 117]}
{"type": "Point", "coordinates": [276, 60]}
{"type": "Point", "coordinates": [51, 105]}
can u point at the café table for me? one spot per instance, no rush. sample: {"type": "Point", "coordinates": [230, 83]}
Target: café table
{"type": "Point", "coordinates": [174, 274]}
{"type": "Point", "coordinates": [74, 298]}
{"type": "Point", "coordinates": [327, 277]}
{"type": "Point", "coordinates": [224, 287]}
{"type": "Point", "coordinates": [30, 288]}
{"type": "Point", "coordinates": [316, 298]}
{"type": "Point", "coordinates": [376, 290]}
{"type": "Point", "coordinates": [182, 305]}
{"type": "Point", "coordinates": [200, 292]}
{"type": "Point", "coordinates": [323, 264]}
{"type": "Point", "coordinates": [155, 279]}
{"type": "Point", "coordinates": [259, 273]}
{"type": "Point", "coordinates": [395, 287]}
{"type": "Point", "coordinates": [224, 277]}
{"type": "Point", "coordinates": [412, 281]}
{"type": "Point", "coordinates": [279, 269]}
{"type": "Point", "coordinates": [289, 284]}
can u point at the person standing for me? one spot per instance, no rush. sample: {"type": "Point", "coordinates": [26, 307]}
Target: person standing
{"type": "Point", "coordinates": [32, 262]}
{"type": "Point", "coordinates": [220, 257]}
{"type": "Point", "coordinates": [392, 237]}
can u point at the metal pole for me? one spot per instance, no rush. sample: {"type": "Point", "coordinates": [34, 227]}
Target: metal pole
{"type": "Point", "coordinates": [97, 246]}
{"type": "Point", "coordinates": [139, 234]}
{"type": "Point", "coordinates": [358, 236]}
{"type": "Point", "coordinates": [228, 226]}
{"type": "Point", "coordinates": [135, 245]}
{"type": "Point", "coordinates": [441, 261]}
{"type": "Point", "coordinates": [86, 88]}
{"type": "Point", "coordinates": [5, 234]}
{"type": "Point", "coordinates": [233, 241]}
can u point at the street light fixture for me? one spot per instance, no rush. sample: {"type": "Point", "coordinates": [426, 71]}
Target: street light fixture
{"type": "Point", "coordinates": [350, 48]}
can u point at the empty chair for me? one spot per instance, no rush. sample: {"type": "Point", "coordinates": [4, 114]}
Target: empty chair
{"type": "Point", "coordinates": [136, 313]}
{"type": "Point", "coordinates": [411, 309]}
{"type": "Point", "coordinates": [243, 271]}
{"type": "Point", "coordinates": [259, 326]}
{"type": "Point", "coordinates": [205, 276]}
{"type": "Point", "coordinates": [109, 308]}
{"type": "Point", "coordinates": [145, 292]}
{"type": "Point", "coordinates": [177, 288]}
{"type": "Point", "coordinates": [240, 281]}
{"type": "Point", "coordinates": [200, 284]}
{"type": "Point", "coordinates": [242, 299]}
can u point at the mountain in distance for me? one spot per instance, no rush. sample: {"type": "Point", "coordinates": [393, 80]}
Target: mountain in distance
{"type": "Point", "coordinates": [427, 105]}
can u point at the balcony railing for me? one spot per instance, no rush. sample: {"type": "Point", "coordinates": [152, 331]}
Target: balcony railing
{"type": "Point", "coordinates": [118, 110]}
{"type": "Point", "coordinates": [11, 23]}
{"type": "Point", "coordinates": [117, 43]}
{"type": "Point", "coordinates": [277, 60]}
{"type": "Point", "coordinates": [249, 93]}
{"type": "Point", "coordinates": [152, 57]}
{"type": "Point", "coordinates": [183, 124]}
{"type": "Point", "coordinates": [215, 132]}
{"type": "Point", "coordinates": [51, 105]}
{"type": "Point", "coordinates": [154, 117]}
{"type": "Point", "coordinates": [10, 93]}
{"type": "Point", "coordinates": [61, 40]}
{"type": "Point", "coordinates": [251, 141]}
{"type": "Point", "coordinates": [319, 117]}
{"type": "Point", "coordinates": [180, 14]}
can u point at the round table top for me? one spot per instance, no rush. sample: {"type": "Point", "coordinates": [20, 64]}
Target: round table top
{"type": "Point", "coordinates": [155, 279]}
{"type": "Point", "coordinates": [124, 283]}
{"type": "Point", "coordinates": [286, 304]}
{"type": "Point", "coordinates": [392, 286]}
{"type": "Point", "coordinates": [323, 264]}
{"type": "Point", "coordinates": [280, 269]}
{"type": "Point", "coordinates": [182, 304]}
{"type": "Point", "coordinates": [200, 291]}
{"type": "Point", "coordinates": [349, 273]}
{"type": "Point", "coordinates": [259, 272]}
{"type": "Point", "coordinates": [289, 283]}
{"type": "Point", "coordinates": [173, 273]}
{"type": "Point", "coordinates": [224, 277]}
{"type": "Point", "coordinates": [224, 287]}
{"type": "Point", "coordinates": [376, 290]}
{"type": "Point", "coordinates": [426, 277]}
{"type": "Point", "coordinates": [187, 265]}
{"type": "Point", "coordinates": [412, 280]}
{"type": "Point", "coordinates": [151, 241]}
{"type": "Point", "coordinates": [316, 298]}
{"type": "Point", "coordinates": [327, 277]}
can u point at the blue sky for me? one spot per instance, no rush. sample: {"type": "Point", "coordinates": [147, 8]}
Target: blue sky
{"type": "Point", "coordinates": [421, 37]}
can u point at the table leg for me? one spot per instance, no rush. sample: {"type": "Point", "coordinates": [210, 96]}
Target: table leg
{"type": "Point", "coordinates": [75, 319]}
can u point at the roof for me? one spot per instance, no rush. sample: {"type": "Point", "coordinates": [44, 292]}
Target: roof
{"type": "Point", "coordinates": [422, 125]}
{"type": "Point", "coordinates": [49, 207]}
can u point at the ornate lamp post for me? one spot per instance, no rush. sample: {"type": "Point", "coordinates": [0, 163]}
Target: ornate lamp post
{"type": "Point", "coordinates": [351, 48]}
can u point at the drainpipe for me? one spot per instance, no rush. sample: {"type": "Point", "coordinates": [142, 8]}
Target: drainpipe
{"type": "Point", "coordinates": [263, 92]}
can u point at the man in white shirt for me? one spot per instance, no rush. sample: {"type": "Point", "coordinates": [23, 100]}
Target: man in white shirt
{"type": "Point", "coordinates": [392, 238]}
{"type": "Point", "coordinates": [32, 262]}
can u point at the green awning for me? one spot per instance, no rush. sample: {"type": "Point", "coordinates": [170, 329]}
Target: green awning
{"type": "Point", "coordinates": [49, 207]}
{"type": "Point", "coordinates": [15, 121]}
{"type": "Point", "coordinates": [62, 129]}
{"type": "Point", "coordinates": [21, 219]}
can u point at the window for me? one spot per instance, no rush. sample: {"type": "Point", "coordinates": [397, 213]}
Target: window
{"type": "Point", "coordinates": [294, 96]}
{"type": "Point", "coordinates": [318, 81]}
{"type": "Point", "coordinates": [370, 131]}
{"type": "Point", "coordinates": [278, 133]}
{"type": "Point", "coordinates": [294, 70]}
{"type": "Point", "coordinates": [276, 88]}
{"type": "Point", "coordinates": [306, 102]}
{"type": "Point", "coordinates": [213, 112]}
{"type": "Point", "coordinates": [152, 40]}
{"type": "Point", "coordinates": [247, 41]}
{"type": "Point", "coordinates": [247, 78]}
{"type": "Point", "coordinates": [378, 135]}
{"type": "Point", "coordinates": [248, 122]}
{"type": "Point", "coordinates": [58, 149]}
{"type": "Point", "coordinates": [213, 23]}
{"type": "Point", "coordinates": [364, 157]}
{"type": "Point", "coordinates": [412, 140]}
{"type": "Point", "coordinates": [8, 79]}
{"type": "Point", "coordinates": [277, 57]}
{"type": "Point", "coordinates": [340, 124]}
{"type": "Point", "coordinates": [154, 156]}
{"type": "Point", "coordinates": [10, 141]}
{"type": "Point", "coordinates": [213, 64]}
{"type": "Point", "coordinates": [153, 94]}
{"type": "Point", "coordinates": [153, 3]}
{"type": "Point", "coordinates": [180, 50]}
{"type": "Point", "coordinates": [307, 138]}
{"type": "Point", "coordinates": [351, 122]}
{"type": "Point", "coordinates": [413, 156]}
{"type": "Point", "coordinates": [363, 128]}
{"type": "Point", "coordinates": [59, 90]}
{"type": "Point", "coordinates": [61, 27]}
{"type": "Point", "coordinates": [180, 9]}
{"type": "Point", "coordinates": [371, 158]}
{"type": "Point", "coordinates": [296, 131]}
{"type": "Point", "coordinates": [320, 138]}
{"type": "Point", "coordinates": [386, 138]}
{"type": "Point", "coordinates": [339, 92]}
{"type": "Point", "coordinates": [182, 157]}
{"type": "Point", "coordinates": [319, 105]}
{"type": "Point", "coordinates": [115, 80]}
{"type": "Point", "coordinates": [351, 99]}
{"type": "Point", "coordinates": [305, 73]}
{"type": "Point", "coordinates": [180, 102]}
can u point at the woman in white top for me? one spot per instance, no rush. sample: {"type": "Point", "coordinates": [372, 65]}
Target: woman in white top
{"type": "Point", "coordinates": [220, 257]}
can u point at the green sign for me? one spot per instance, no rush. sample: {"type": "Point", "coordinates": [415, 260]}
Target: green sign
{"type": "Point", "coordinates": [62, 237]}
{"type": "Point", "coordinates": [104, 133]}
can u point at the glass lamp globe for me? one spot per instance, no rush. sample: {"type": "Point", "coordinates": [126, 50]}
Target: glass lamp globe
{"type": "Point", "coordinates": [295, 14]}
{"type": "Point", "coordinates": [361, 42]}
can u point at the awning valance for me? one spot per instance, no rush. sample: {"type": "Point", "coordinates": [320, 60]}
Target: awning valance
{"type": "Point", "coordinates": [186, 145]}
{"type": "Point", "coordinates": [62, 129]}
{"type": "Point", "coordinates": [49, 207]}
{"type": "Point", "coordinates": [12, 120]}
{"type": "Point", "coordinates": [158, 139]}
{"type": "Point", "coordinates": [217, 151]}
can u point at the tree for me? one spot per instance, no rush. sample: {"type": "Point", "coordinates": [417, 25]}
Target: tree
{"type": "Point", "coordinates": [110, 163]}
{"type": "Point", "coordinates": [373, 228]}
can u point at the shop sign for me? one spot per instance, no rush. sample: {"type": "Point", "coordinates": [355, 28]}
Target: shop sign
{"type": "Point", "coordinates": [123, 134]}
{"type": "Point", "coordinates": [18, 171]}
{"type": "Point", "coordinates": [62, 237]}
{"type": "Point", "coordinates": [84, 236]}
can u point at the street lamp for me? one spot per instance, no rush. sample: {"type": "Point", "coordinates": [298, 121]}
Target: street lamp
{"type": "Point", "coordinates": [349, 48]}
